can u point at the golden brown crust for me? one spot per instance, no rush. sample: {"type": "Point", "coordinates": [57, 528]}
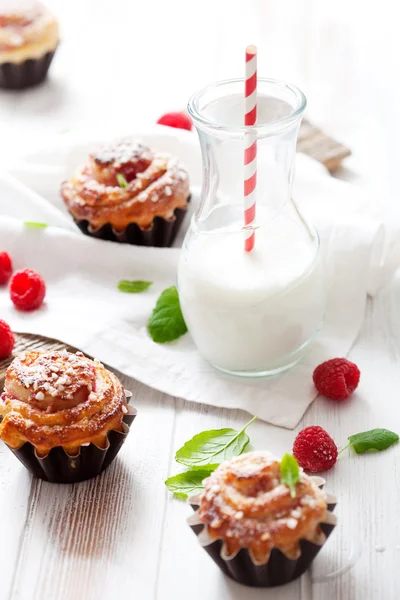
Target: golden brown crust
{"type": "Point", "coordinates": [27, 30]}
{"type": "Point", "coordinates": [59, 399]}
{"type": "Point", "coordinates": [246, 506]}
{"type": "Point", "coordinates": [21, 14]}
{"type": "Point", "coordinates": [157, 185]}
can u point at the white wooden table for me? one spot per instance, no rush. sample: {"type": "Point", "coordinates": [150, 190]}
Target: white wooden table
{"type": "Point", "coordinates": [122, 535]}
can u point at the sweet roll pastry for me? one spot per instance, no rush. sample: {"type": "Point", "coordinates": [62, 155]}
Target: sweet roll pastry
{"type": "Point", "coordinates": [62, 401]}
{"type": "Point", "coordinates": [252, 526]}
{"type": "Point", "coordinates": [128, 193]}
{"type": "Point", "coordinates": [29, 37]}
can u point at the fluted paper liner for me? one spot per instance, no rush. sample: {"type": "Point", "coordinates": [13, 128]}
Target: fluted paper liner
{"type": "Point", "coordinates": [60, 467]}
{"type": "Point", "coordinates": [162, 232]}
{"type": "Point", "coordinates": [279, 569]}
{"type": "Point", "coordinates": [30, 72]}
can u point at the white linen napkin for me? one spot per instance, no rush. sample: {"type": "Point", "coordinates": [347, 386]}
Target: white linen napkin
{"type": "Point", "coordinates": [84, 307]}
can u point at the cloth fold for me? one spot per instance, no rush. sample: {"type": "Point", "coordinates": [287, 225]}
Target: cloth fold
{"type": "Point", "coordinates": [84, 307]}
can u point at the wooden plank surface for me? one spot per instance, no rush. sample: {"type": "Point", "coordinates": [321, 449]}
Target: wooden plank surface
{"type": "Point", "coordinates": [316, 143]}
{"type": "Point", "coordinates": [123, 530]}
{"type": "Point", "coordinates": [121, 534]}
{"type": "Point", "coordinates": [88, 535]}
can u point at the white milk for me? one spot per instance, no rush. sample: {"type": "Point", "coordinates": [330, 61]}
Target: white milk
{"type": "Point", "coordinates": [252, 311]}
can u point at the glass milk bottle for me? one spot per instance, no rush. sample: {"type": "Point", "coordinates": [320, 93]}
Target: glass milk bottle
{"type": "Point", "coordinates": [250, 313]}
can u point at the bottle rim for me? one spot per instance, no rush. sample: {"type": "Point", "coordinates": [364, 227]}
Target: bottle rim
{"type": "Point", "coordinates": [275, 85]}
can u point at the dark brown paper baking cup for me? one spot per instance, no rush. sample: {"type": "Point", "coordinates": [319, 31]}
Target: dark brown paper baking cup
{"type": "Point", "coordinates": [18, 76]}
{"type": "Point", "coordinates": [60, 467]}
{"type": "Point", "coordinates": [162, 233]}
{"type": "Point", "coordinates": [279, 569]}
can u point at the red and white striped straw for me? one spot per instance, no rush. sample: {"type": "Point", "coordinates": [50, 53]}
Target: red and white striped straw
{"type": "Point", "coordinates": [250, 147]}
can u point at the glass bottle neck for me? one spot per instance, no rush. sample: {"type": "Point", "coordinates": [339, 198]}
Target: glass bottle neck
{"type": "Point", "coordinates": [218, 116]}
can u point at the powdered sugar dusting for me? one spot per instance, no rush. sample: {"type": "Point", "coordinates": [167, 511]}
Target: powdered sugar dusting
{"type": "Point", "coordinates": [154, 177]}
{"type": "Point", "coordinates": [291, 523]}
{"type": "Point", "coordinates": [46, 374]}
{"type": "Point", "coordinates": [256, 510]}
{"type": "Point", "coordinates": [308, 501]}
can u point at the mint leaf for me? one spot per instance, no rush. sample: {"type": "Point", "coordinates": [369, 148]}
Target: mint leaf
{"type": "Point", "coordinates": [374, 439]}
{"type": "Point", "coordinates": [166, 322]}
{"type": "Point", "coordinates": [133, 287]}
{"type": "Point", "coordinates": [290, 474]}
{"type": "Point", "coordinates": [187, 484]}
{"type": "Point", "coordinates": [122, 182]}
{"type": "Point", "coordinates": [212, 447]}
{"type": "Point", "coordinates": [35, 225]}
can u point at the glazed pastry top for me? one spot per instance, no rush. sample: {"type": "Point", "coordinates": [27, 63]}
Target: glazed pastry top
{"type": "Point", "coordinates": [246, 506]}
{"type": "Point", "coordinates": [59, 399]}
{"type": "Point", "coordinates": [27, 30]}
{"type": "Point", "coordinates": [152, 185]}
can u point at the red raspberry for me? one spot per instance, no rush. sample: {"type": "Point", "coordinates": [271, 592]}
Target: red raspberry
{"type": "Point", "coordinates": [27, 289]}
{"type": "Point", "coordinates": [5, 267]}
{"type": "Point", "coordinates": [177, 120]}
{"type": "Point", "coordinates": [6, 340]}
{"type": "Point", "coordinates": [314, 449]}
{"type": "Point", "coordinates": [336, 378]}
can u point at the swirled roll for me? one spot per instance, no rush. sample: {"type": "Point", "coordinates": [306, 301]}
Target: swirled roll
{"type": "Point", "coordinates": [126, 184]}
{"type": "Point", "coordinates": [60, 399]}
{"type": "Point", "coordinates": [29, 37]}
{"type": "Point", "coordinates": [245, 505]}
{"type": "Point", "coordinates": [27, 30]}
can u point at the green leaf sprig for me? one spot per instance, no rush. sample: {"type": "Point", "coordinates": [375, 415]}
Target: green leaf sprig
{"type": "Point", "coordinates": [213, 447]}
{"type": "Point", "coordinates": [290, 473]}
{"type": "Point", "coordinates": [35, 225]}
{"type": "Point", "coordinates": [203, 453]}
{"type": "Point", "coordinates": [373, 439]}
{"type": "Point", "coordinates": [122, 182]}
{"type": "Point", "coordinates": [187, 483]}
{"type": "Point", "coordinates": [166, 322]}
{"type": "Point", "coordinates": [133, 287]}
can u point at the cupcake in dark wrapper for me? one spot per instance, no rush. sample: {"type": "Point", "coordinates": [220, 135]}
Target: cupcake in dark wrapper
{"type": "Point", "coordinates": [128, 193]}
{"type": "Point", "coordinates": [64, 416]}
{"type": "Point", "coordinates": [251, 526]}
{"type": "Point", "coordinates": [29, 37]}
